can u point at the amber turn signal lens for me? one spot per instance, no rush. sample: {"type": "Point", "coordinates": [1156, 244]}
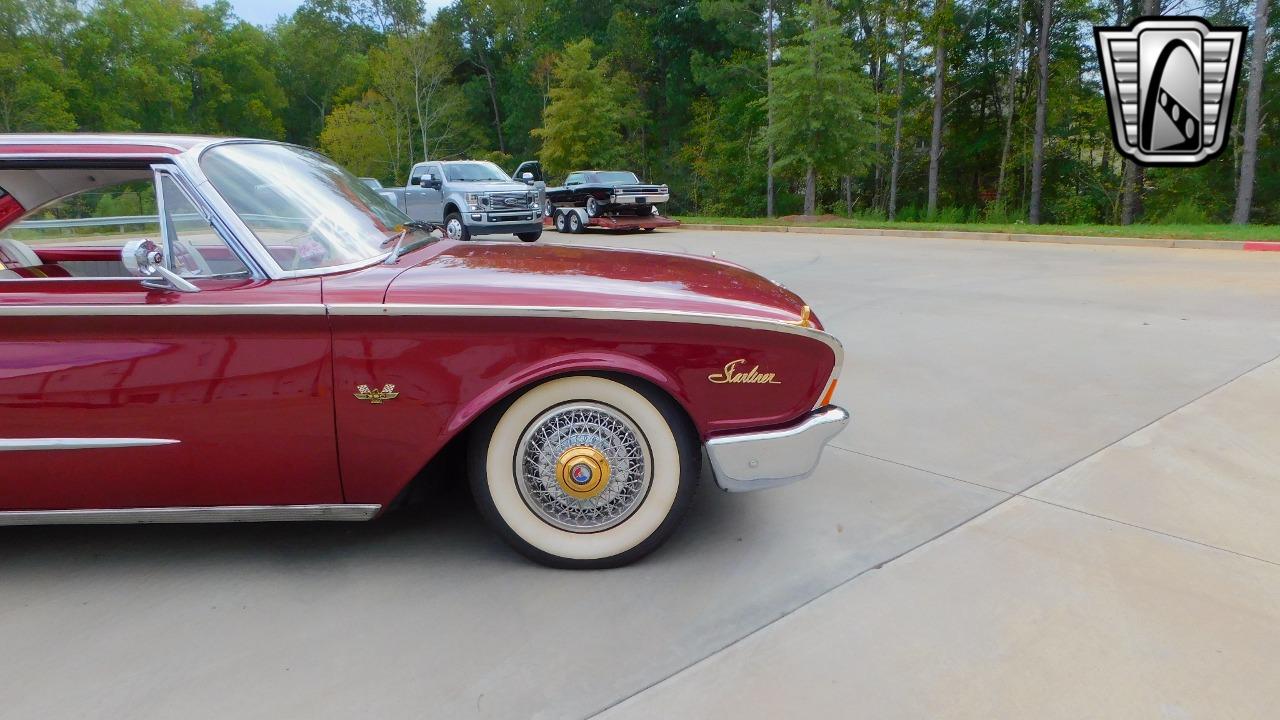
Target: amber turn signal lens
{"type": "Point", "coordinates": [826, 397]}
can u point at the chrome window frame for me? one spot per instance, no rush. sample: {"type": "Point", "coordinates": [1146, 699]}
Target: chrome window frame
{"type": "Point", "coordinates": [169, 170]}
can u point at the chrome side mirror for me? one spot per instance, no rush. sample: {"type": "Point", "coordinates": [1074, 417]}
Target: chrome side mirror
{"type": "Point", "coordinates": [145, 259]}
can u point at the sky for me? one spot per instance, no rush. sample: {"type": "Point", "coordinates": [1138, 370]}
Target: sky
{"type": "Point", "coordinates": [265, 12]}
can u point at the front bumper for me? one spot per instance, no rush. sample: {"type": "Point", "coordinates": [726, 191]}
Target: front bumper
{"type": "Point", "coordinates": [752, 461]}
{"type": "Point", "coordinates": [488, 224]}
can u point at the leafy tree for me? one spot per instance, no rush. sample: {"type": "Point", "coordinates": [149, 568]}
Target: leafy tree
{"type": "Point", "coordinates": [591, 106]}
{"type": "Point", "coordinates": [821, 105]}
{"type": "Point", "coordinates": [234, 88]}
{"type": "Point", "coordinates": [356, 135]}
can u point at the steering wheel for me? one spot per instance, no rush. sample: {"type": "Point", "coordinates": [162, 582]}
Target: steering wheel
{"type": "Point", "coordinates": [307, 251]}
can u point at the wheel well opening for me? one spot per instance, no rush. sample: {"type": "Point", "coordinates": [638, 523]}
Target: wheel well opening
{"type": "Point", "coordinates": [450, 460]}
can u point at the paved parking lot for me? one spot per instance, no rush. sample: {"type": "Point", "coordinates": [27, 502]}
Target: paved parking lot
{"type": "Point", "coordinates": [1058, 498]}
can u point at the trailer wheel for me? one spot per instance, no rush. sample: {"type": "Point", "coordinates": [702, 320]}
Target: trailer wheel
{"type": "Point", "coordinates": [561, 221]}
{"type": "Point", "coordinates": [575, 224]}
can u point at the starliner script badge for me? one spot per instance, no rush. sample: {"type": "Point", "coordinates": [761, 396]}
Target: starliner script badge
{"type": "Point", "coordinates": [376, 397]}
{"type": "Point", "coordinates": [731, 374]}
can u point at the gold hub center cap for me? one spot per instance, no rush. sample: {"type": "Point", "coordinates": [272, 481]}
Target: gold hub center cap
{"type": "Point", "coordinates": [582, 472]}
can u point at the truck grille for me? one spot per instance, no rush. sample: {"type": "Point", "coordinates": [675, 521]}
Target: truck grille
{"type": "Point", "coordinates": [511, 201]}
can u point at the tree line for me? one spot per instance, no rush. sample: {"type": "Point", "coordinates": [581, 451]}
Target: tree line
{"type": "Point", "coordinates": [945, 110]}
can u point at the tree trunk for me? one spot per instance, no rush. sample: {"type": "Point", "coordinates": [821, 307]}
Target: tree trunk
{"type": "Point", "coordinates": [1252, 110]}
{"type": "Point", "coordinates": [1015, 64]}
{"type": "Point", "coordinates": [1037, 145]}
{"type": "Point", "coordinates": [1134, 175]}
{"type": "Point", "coordinates": [768, 68]}
{"type": "Point", "coordinates": [897, 130]}
{"type": "Point", "coordinates": [493, 98]}
{"type": "Point", "coordinates": [935, 140]}
{"type": "Point", "coordinates": [810, 191]}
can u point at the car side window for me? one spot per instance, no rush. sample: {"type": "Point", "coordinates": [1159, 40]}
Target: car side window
{"type": "Point", "coordinates": [82, 235]}
{"type": "Point", "coordinates": [197, 248]}
{"type": "Point", "coordinates": [415, 175]}
{"type": "Point", "coordinates": [573, 179]}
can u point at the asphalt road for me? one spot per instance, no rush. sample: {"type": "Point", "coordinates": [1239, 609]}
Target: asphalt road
{"type": "Point", "coordinates": [940, 563]}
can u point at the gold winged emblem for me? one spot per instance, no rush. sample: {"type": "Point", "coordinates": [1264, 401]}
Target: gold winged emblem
{"type": "Point", "coordinates": [376, 397]}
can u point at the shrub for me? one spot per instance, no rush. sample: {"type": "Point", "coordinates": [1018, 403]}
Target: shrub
{"type": "Point", "coordinates": [999, 212]}
{"type": "Point", "coordinates": [1186, 212]}
{"type": "Point", "coordinates": [1073, 210]}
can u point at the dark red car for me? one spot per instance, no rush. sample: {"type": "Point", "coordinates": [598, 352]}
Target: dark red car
{"type": "Point", "coordinates": [200, 329]}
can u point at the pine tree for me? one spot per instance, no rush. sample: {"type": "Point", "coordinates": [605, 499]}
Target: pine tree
{"type": "Point", "coordinates": [821, 105]}
{"type": "Point", "coordinates": [590, 107]}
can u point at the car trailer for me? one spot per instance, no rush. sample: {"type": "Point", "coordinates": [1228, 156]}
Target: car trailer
{"type": "Point", "coordinates": [576, 220]}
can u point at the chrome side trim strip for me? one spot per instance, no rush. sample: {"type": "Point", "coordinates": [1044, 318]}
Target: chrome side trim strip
{"type": "Point", "coordinates": [590, 313]}
{"type": "Point", "coordinates": [16, 444]}
{"type": "Point", "coordinates": [214, 514]}
{"type": "Point", "coordinates": [166, 310]}
{"type": "Point", "coordinates": [757, 460]}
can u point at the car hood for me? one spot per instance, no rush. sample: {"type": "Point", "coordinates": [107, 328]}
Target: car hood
{"type": "Point", "coordinates": [604, 278]}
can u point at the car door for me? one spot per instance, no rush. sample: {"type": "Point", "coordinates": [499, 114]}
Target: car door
{"type": "Point", "coordinates": [573, 184]}
{"type": "Point", "coordinates": [115, 395]}
{"type": "Point", "coordinates": [422, 203]}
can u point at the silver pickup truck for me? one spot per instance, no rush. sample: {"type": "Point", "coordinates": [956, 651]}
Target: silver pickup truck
{"type": "Point", "coordinates": [469, 197]}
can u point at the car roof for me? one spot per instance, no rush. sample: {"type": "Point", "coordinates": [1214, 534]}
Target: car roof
{"type": "Point", "coordinates": [99, 143]}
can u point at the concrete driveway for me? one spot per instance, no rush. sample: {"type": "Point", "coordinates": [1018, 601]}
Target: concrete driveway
{"type": "Point", "coordinates": [1058, 498]}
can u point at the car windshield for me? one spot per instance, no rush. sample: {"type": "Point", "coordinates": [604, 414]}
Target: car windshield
{"type": "Point", "coordinates": [475, 172]}
{"type": "Point", "coordinates": [305, 210]}
{"type": "Point", "coordinates": [616, 177]}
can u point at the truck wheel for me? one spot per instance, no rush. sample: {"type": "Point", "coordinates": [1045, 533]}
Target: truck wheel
{"type": "Point", "coordinates": [575, 223]}
{"type": "Point", "coordinates": [562, 221]}
{"type": "Point", "coordinates": [455, 229]}
{"type": "Point", "coordinates": [529, 237]}
{"type": "Point", "coordinates": [593, 207]}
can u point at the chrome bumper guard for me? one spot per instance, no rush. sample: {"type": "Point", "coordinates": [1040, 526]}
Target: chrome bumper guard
{"type": "Point", "coordinates": [752, 461]}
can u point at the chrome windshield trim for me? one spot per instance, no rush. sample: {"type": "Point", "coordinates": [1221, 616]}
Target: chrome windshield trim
{"type": "Point", "coordinates": [44, 444]}
{"type": "Point", "coordinates": [212, 514]}
{"type": "Point", "coordinates": [190, 160]}
{"type": "Point", "coordinates": [163, 310]}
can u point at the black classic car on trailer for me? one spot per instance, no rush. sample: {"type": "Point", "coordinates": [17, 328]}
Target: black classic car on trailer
{"type": "Point", "coordinates": [613, 199]}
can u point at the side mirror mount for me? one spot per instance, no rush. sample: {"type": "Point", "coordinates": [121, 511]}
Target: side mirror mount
{"type": "Point", "coordinates": [145, 259]}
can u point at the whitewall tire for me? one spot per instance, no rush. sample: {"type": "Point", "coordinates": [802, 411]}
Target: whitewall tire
{"type": "Point", "coordinates": [585, 471]}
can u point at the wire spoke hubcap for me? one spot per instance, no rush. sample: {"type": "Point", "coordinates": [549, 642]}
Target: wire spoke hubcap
{"type": "Point", "coordinates": [583, 467]}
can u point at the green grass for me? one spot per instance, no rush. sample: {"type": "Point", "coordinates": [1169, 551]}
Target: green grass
{"type": "Point", "coordinates": [1181, 232]}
